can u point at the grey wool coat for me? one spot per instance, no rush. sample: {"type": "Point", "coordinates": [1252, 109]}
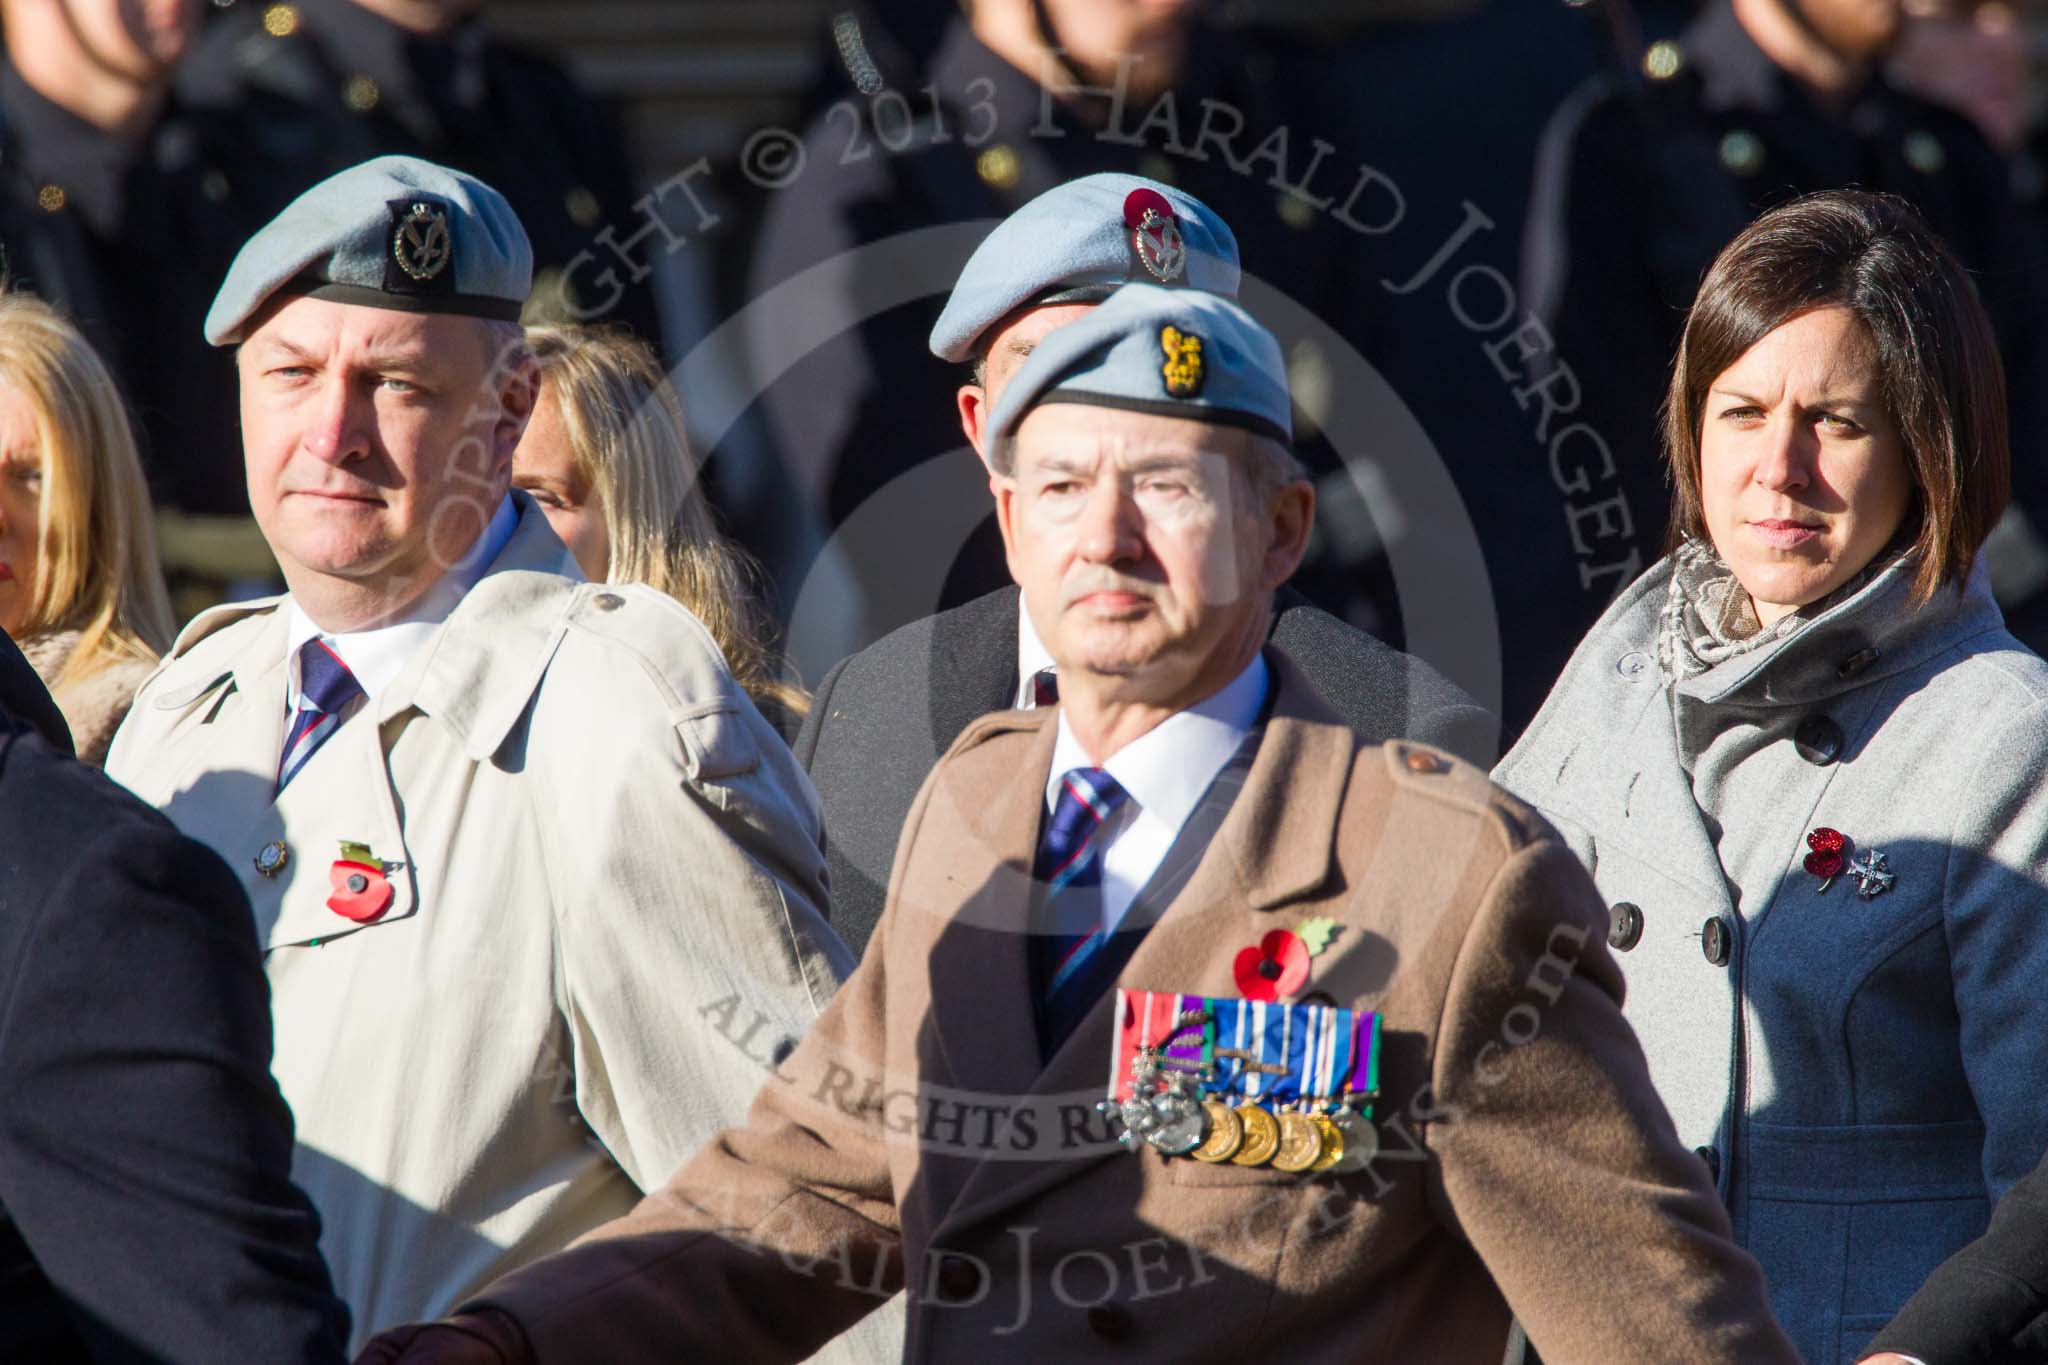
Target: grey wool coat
{"type": "Point", "coordinates": [1865, 1076]}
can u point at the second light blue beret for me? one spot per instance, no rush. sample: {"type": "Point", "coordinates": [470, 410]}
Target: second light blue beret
{"type": "Point", "coordinates": [1080, 242]}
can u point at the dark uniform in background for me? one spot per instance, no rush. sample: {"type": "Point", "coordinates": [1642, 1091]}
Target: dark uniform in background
{"type": "Point", "coordinates": [1642, 182]}
{"type": "Point", "coordinates": [276, 97]}
{"type": "Point", "coordinates": [870, 404]}
{"type": "Point", "coordinates": [125, 235]}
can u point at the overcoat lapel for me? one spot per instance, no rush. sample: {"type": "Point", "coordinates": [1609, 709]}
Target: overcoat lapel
{"type": "Point", "coordinates": [980, 976]}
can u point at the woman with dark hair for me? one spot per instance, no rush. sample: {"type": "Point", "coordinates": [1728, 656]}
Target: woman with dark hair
{"type": "Point", "coordinates": [1802, 758]}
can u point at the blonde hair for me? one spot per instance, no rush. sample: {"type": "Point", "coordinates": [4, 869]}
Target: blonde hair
{"type": "Point", "coordinates": [96, 563]}
{"type": "Point", "coordinates": [629, 445]}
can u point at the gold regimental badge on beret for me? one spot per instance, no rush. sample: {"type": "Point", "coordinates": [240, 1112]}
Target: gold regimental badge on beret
{"type": "Point", "coordinates": [421, 245]}
{"type": "Point", "coordinates": [1183, 370]}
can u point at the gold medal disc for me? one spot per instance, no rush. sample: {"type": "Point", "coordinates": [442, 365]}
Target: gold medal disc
{"type": "Point", "coordinates": [1226, 1133]}
{"type": "Point", "coordinates": [1301, 1143]}
{"type": "Point", "coordinates": [1261, 1136]}
{"type": "Point", "coordinates": [1333, 1143]}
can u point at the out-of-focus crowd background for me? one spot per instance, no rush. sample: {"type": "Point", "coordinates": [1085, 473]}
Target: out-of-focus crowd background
{"type": "Point", "coordinates": [1475, 225]}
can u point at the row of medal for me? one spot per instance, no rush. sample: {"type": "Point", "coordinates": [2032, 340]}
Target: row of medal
{"type": "Point", "coordinates": [1248, 1082]}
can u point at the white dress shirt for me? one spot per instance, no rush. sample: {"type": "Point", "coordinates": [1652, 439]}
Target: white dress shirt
{"type": "Point", "coordinates": [1032, 658]}
{"type": "Point", "coordinates": [377, 656]}
{"type": "Point", "coordinates": [1165, 771]}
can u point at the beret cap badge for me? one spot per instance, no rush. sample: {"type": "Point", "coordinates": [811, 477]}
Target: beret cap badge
{"type": "Point", "coordinates": [420, 244]}
{"type": "Point", "coordinates": [1183, 370]}
{"type": "Point", "coordinates": [1155, 235]}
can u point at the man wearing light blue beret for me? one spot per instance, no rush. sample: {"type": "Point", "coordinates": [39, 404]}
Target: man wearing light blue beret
{"type": "Point", "coordinates": [540, 891]}
{"type": "Point", "coordinates": [1184, 888]}
{"type": "Point", "coordinates": [884, 715]}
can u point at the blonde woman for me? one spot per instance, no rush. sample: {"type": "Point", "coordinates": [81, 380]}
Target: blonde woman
{"type": "Point", "coordinates": [607, 459]}
{"type": "Point", "coordinates": [80, 590]}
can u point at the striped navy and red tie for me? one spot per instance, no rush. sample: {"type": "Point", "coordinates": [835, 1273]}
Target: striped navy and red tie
{"type": "Point", "coordinates": [1070, 929]}
{"type": "Point", "coordinates": [326, 687]}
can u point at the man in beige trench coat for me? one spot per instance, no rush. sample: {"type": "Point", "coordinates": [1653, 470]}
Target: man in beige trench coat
{"type": "Point", "coordinates": [1191, 820]}
{"type": "Point", "coordinates": [541, 891]}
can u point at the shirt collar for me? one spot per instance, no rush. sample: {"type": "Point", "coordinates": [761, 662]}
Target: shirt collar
{"type": "Point", "coordinates": [1166, 769]}
{"type": "Point", "coordinates": [377, 656]}
{"type": "Point", "coordinates": [1033, 657]}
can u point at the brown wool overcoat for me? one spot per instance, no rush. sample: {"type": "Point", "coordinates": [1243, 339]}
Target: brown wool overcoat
{"type": "Point", "coordinates": [914, 1139]}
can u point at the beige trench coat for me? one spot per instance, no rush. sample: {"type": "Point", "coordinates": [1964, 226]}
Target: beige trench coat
{"type": "Point", "coordinates": [595, 844]}
{"type": "Point", "coordinates": [914, 1141]}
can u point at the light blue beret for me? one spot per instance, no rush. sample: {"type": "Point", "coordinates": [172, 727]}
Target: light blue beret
{"type": "Point", "coordinates": [393, 232]}
{"type": "Point", "coordinates": [1172, 352]}
{"type": "Point", "coordinates": [1078, 243]}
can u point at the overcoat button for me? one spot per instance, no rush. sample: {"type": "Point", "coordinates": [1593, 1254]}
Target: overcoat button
{"type": "Point", "coordinates": [1633, 664]}
{"type": "Point", "coordinates": [1857, 662]}
{"type": "Point", "coordinates": [1818, 740]}
{"type": "Point", "coordinates": [958, 1281]}
{"type": "Point", "coordinates": [1625, 928]}
{"type": "Point", "coordinates": [1714, 941]}
{"type": "Point", "coordinates": [1109, 1322]}
{"type": "Point", "coordinates": [1713, 1159]}
{"type": "Point", "coordinates": [608, 601]}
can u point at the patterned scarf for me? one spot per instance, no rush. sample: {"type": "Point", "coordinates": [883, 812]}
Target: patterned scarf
{"type": "Point", "coordinates": [1709, 619]}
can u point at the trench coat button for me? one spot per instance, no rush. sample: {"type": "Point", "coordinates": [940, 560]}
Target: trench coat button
{"type": "Point", "coordinates": [958, 1281]}
{"type": "Point", "coordinates": [1625, 928]}
{"type": "Point", "coordinates": [1857, 662]}
{"type": "Point", "coordinates": [1419, 762]}
{"type": "Point", "coordinates": [1109, 1322]}
{"type": "Point", "coordinates": [1818, 740]}
{"type": "Point", "coordinates": [1714, 941]}
{"type": "Point", "coordinates": [608, 601]}
{"type": "Point", "coordinates": [1713, 1159]}
{"type": "Point", "coordinates": [1633, 664]}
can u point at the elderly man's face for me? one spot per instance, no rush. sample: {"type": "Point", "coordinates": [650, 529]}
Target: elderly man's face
{"type": "Point", "coordinates": [378, 442]}
{"type": "Point", "coordinates": [1147, 562]}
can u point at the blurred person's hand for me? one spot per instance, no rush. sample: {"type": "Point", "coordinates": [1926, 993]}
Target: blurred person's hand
{"type": "Point", "coordinates": [1971, 59]}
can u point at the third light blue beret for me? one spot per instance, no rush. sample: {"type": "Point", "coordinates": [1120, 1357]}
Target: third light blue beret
{"type": "Point", "coordinates": [393, 232]}
{"type": "Point", "coordinates": [1080, 242]}
{"type": "Point", "coordinates": [1171, 352]}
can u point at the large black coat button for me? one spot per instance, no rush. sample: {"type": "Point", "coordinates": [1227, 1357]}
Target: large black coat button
{"type": "Point", "coordinates": [1624, 927]}
{"type": "Point", "coordinates": [1714, 941]}
{"type": "Point", "coordinates": [1818, 740]}
{"type": "Point", "coordinates": [1109, 1322]}
{"type": "Point", "coordinates": [1713, 1159]}
{"type": "Point", "coordinates": [959, 1281]}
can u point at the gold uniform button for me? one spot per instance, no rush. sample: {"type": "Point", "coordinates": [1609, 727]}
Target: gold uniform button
{"type": "Point", "coordinates": [583, 207]}
{"type": "Point", "coordinates": [281, 21]}
{"type": "Point", "coordinates": [1742, 152]}
{"type": "Point", "coordinates": [997, 166]}
{"type": "Point", "coordinates": [1924, 152]}
{"type": "Point", "coordinates": [51, 198]}
{"type": "Point", "coordinates": [360, 94]}
{"type": "Point", "coordinates": [1663, 60]}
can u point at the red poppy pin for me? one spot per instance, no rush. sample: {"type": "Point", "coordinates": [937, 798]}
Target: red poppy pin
{"type": "Point", "coordinates": [1277, 964]}
{"type": "Point", "coordinates": [361, 890]}
{"type": "Point", "coordinates": [1829, 856]}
